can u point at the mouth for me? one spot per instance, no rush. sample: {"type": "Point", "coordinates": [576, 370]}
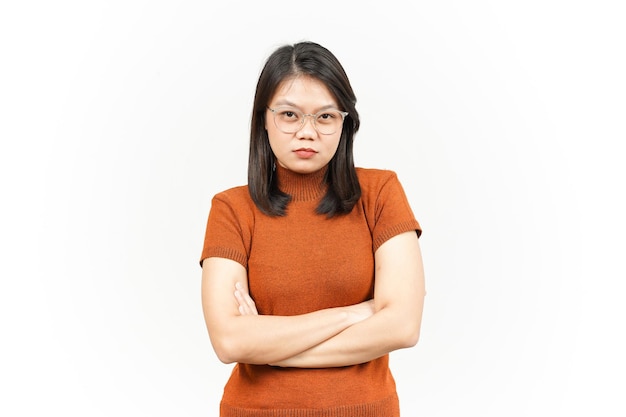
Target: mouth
{"type": "Point", "coordinates": [305, 153]}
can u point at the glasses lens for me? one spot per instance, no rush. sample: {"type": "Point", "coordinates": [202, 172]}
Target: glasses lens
{"type": "Point", "coordinates": [290, 120]}
{"type": "Point", "coordinates": [328, 122]}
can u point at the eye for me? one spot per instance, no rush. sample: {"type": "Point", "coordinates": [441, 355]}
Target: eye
{"type": "Point", "coordinates": [288, 115]}
{"type": "Point", "coordinates": [328, 117]}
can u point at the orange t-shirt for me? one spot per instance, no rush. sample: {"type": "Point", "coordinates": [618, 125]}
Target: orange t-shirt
{"type": "Point", "coordinates": [303, 262]}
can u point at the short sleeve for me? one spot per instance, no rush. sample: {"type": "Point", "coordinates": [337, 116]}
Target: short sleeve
{"type": "Point", "coordinates": [227, 231]}
{"type": "Point", "coordinates": [389, 213]}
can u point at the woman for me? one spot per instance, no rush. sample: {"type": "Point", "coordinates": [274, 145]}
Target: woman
{"type": "Point", "coordinates": [312, 273]}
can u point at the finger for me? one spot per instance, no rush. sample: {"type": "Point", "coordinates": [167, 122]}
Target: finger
{"type": "Point", "coordinates": [242, 304]}
{"type": "Point", "coordinates": [244, 299]}
{"type": "Point", "coordinates": [246, 304]}
{"type": "Point", "coordinates": [249, 303]}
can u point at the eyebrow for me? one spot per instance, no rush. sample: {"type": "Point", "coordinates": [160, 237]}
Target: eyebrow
{"type": "Point", "coordinates": [284, 102]}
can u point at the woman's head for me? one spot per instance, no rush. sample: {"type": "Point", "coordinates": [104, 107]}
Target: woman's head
{"type": "Point", "coordinates": [307, 78]}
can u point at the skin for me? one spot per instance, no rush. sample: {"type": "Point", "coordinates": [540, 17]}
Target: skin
{"type": "Point", "coordinates": [326, 338]}
{"type": "Point", "coordinates": [310, 96]}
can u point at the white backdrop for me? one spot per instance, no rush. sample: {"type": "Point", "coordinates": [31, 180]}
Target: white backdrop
{"type": "Point", "coordinates": [504, 120]}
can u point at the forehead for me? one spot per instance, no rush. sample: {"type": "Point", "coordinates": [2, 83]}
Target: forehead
{"type": "Point", "coordinates": [303, 91]}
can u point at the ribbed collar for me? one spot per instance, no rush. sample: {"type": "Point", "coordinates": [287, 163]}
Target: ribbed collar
{"type": "Point", "coordinates": [301, 187]}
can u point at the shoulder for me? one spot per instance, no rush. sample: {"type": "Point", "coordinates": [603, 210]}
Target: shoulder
{"type": "Point", "coordinates": [237, 199]}
{"type": "Point", "coordinates": [380, 187]}
{"type": "Point", "coordinates": [385, 204]}
{"type": "Point", "coordinates": [372, 180]}
{"type": "Point", "coordinates": [234, 193]}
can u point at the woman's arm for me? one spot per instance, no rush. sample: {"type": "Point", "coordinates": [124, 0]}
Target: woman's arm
{"type": "Point", "coordinates": [399, 299]}
{"type": "Point", "coordinates": [239, 335]}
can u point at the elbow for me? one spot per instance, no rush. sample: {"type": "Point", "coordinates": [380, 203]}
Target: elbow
{"type": "Point", "coordinates": [406, 331]}
{"type": "Point", "coordinates": [409, 335]}
{"type": "Point", "coordinates": [411, 339]}
{"type": "Point", "coordinates": [231, 349]}
{"type": "Point", "coordinates": [223, 354]}
{"type": "Point", "coordinates": [224, 357]}
{"type": "Point", "coordinates": [227, 351]}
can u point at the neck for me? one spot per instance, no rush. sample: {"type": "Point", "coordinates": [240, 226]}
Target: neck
{"type": "Point", "coordinates": [301, 187]}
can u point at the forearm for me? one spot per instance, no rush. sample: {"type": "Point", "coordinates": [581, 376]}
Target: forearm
{"type": "Point", "coordinates": [239, 334]}
{"type": "Point", "coordinates": [380, 334]}
{"type": "Point", "coordinates": [327, 338]}
{"type": "Point", "coordinates": [261, 339]}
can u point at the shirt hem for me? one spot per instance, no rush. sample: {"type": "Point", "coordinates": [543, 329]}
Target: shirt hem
{"type": "Point", "coordinates": [387, 407]}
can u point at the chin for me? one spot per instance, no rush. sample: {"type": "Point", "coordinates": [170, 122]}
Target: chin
{"type": "Point", "coordinates": [303, 167]}
{"type": "Point", "coordinates": [300, 169]}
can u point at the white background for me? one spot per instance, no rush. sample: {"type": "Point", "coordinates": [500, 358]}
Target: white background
{"type": "Point", "coordinates": [504, 120]}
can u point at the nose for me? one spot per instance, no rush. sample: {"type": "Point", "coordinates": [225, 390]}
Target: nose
{"type": "Point", "coordinates": [308, 130]}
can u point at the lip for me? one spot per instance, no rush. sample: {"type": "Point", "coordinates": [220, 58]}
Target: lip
{"type": "Point", "coordinates": [305, 153]}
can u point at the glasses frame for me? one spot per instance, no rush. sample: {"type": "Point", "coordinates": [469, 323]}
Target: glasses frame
{"type": "Point", "coordinates": [305, 115]}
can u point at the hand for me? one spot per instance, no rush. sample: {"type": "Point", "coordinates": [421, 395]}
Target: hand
{"type": "Point", "coordinates": [246, 304]}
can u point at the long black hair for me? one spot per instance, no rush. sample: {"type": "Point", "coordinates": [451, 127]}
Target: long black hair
{"type": "Point", "coordinates": [313, 60]}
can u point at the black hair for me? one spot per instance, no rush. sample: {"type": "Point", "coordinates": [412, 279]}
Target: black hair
{"type": "Point", "coordinates": [313, 60]}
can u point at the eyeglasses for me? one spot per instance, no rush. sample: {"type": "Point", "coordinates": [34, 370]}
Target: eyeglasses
{"type": "Point", "coordinates": [291, 120]}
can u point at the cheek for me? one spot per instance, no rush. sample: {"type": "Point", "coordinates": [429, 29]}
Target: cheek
{"type": "Point", "coordinates": [275, 143]}
{"type": "Point", "coordinates": [335, 146]}
{"type": "Point", "coordinates": [273, 133]}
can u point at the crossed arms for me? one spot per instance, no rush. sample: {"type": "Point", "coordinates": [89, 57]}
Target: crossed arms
{"type": "Point", "coordinates": [331, 337]}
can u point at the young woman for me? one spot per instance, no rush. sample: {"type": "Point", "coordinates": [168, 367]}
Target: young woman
{"type": "Point", "coordinates": [312, 273]}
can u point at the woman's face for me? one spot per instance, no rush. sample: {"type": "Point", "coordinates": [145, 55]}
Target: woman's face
{"type": "Point", "coordinates": [306, 150]}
